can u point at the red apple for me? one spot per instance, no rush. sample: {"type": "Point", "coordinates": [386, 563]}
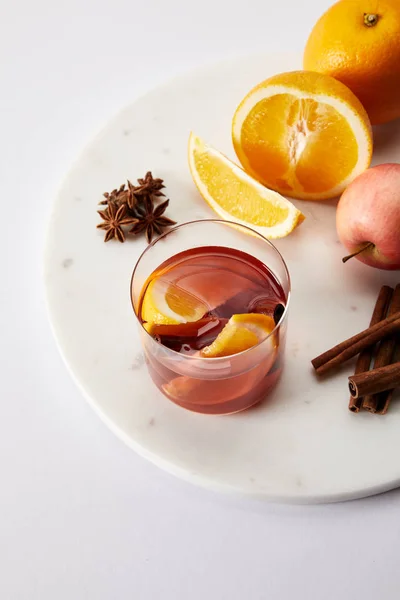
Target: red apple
{"type": "Point", "coordinates": [368, 217]}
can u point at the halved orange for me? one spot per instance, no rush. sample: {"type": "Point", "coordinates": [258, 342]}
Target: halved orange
{"type": "Point", "coordinates": [303, 134]}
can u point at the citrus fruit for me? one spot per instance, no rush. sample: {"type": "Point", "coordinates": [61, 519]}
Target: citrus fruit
{"type": "Point", "coordinates": [241, 333]}
{"type": "Point", "coordinates": [236, 196]}
{"type": "Point", "coordinates": [165, 303]}
{"type": "Point", "coordinates": [303, 134]}
{"type": "Point", "coordinates": [358, 43]}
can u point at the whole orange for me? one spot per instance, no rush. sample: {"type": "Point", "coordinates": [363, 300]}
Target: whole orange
{"type": "Point", "coordinates": [358, 43]}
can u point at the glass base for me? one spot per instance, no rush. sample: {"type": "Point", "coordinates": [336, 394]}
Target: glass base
{"type": "Point", "coordinates": [258, 394]}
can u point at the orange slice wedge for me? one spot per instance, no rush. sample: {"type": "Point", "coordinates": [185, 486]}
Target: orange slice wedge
{"type": "Point", "coordinates": [235, 196]}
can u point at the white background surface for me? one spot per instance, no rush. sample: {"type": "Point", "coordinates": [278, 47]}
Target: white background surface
{"type": "Point", "coordinates": [81, 516]}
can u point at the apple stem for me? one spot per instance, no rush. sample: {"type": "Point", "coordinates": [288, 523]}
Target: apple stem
{"type": "Point", "coordinates": [367, 245]}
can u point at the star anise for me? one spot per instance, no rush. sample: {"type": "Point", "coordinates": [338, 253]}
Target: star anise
{"type": "Point", "coordinates": [113, 196]}
{"type": "Point", "coordinates": [150, 219]}
{"type": "Point", "coordinates": [122, 196]}
{"type": "Point", "coordinates": [114, 217]}
{"type": "Point", "coordinates": [148, 186]}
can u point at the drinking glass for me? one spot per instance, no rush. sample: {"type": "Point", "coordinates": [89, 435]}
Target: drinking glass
{"type": "Point", "coordinates": [225, 384]}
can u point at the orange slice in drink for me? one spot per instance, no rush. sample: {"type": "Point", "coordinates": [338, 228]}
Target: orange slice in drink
{"type": "Point", "coordinates": [241, 333]}
{"type": "Point", "coordinates": [165, 303]}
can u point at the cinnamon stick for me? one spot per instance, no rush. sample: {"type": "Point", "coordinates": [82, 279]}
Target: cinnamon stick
{"type": "Point", "coordinates": [377, 380]}
{"type": "Point", "coordinates": [354, 345]}
{"type": "Point", "coordinates": [384, 398]}
{"type": "Point", "coordinates": [384, 356]}
{"type": "Point", "coordinates": [364, 358]}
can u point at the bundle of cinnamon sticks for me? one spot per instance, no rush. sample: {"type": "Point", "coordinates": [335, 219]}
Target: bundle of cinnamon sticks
{"type": "Point", "coordinates": [377, 371]}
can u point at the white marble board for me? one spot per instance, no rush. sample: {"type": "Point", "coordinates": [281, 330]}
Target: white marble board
{"type": "Point", "coordinates": [303, 445]}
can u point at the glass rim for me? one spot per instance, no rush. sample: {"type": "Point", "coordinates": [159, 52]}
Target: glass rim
{"type": "Point", "coordinates": [235, 225]}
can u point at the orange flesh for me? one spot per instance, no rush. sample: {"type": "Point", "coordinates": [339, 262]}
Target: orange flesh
{"type": "Point", "coordinates": [237, 197]}
{"type": "Point", "coordinates": [289, 143]}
